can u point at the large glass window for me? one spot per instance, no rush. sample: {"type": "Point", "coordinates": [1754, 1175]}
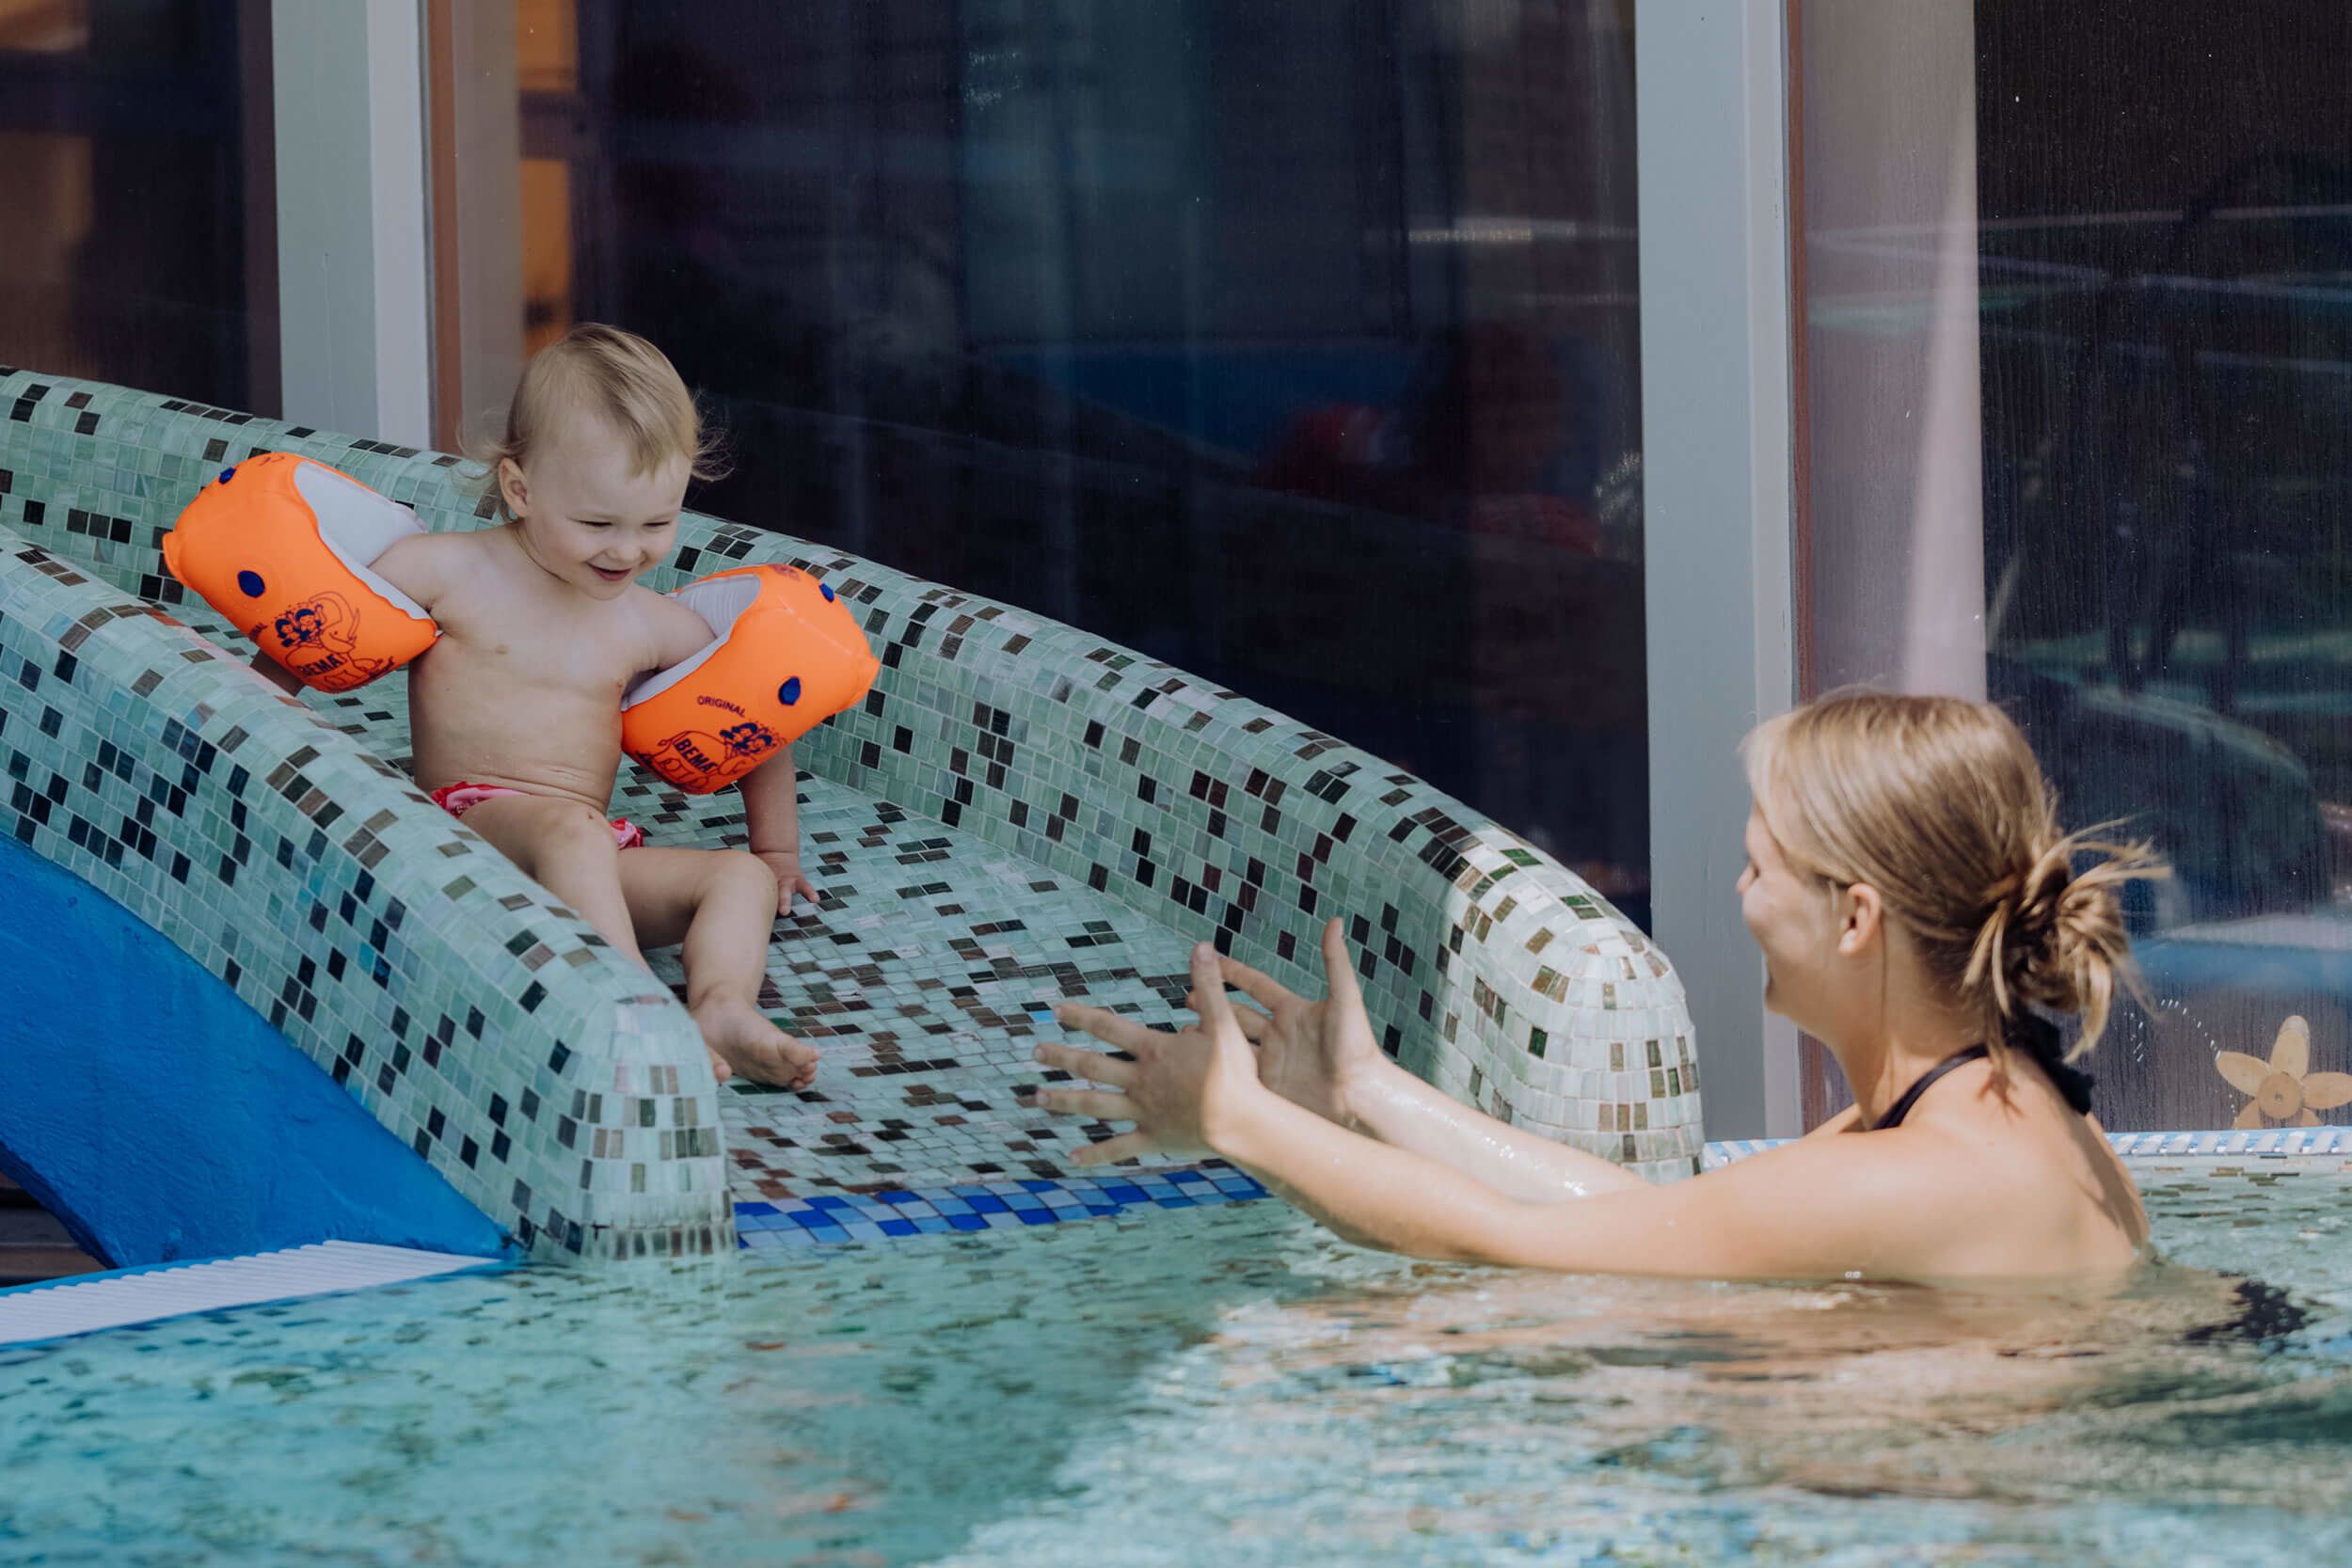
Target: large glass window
{"type": "Point", "coordinates": [2079, 393]}
{"type": "Point", "coordinates": [1294, 344]}
{"type": "Point", "coordinates": [134, 171]}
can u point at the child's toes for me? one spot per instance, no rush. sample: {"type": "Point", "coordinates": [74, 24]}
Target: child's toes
{"type": "Point", "coordinates": [775, 1057]}
{"type": "Point", "coordinates": [797, 1063]}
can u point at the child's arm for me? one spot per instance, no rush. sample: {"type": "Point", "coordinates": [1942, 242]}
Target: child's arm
{"type": "Point", "coordinates": [772, 809]}
{"type": "Point", "coordinates": [772, 814]}
{"type": "Point", "coordinates": [421, 566]}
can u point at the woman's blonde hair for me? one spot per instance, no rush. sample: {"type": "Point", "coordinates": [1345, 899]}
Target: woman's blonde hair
{"type": "Point", "coordinates": [1938, 804]}
{"type": "Point", "coordinates": [619, 377]}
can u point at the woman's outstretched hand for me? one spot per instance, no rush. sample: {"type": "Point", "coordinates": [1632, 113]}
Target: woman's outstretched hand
{"type": "Point", "coordinates": [1309, 1053]}
{"type": "Point", "coordinates": [1185, 1092]}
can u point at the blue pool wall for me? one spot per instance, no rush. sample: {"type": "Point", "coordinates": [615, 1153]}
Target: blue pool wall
{"type": "Point", "coordinates": [132, 1080]}
{"type": "Point", "coordinates": [452, 999]}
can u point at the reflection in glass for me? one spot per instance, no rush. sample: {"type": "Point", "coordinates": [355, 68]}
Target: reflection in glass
{"type": "Point", "coordinates": [2162, 296]}
{"type": "Point", "coordinates": [135, 168]}
{"type": "Point", "coordinates": [1295, 345]}
{"type": "Point", "coordinates": [45, 26]}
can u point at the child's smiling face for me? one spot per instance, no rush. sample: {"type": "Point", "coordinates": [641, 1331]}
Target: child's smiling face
{"type": "Point", "coordinates": [584, 516]}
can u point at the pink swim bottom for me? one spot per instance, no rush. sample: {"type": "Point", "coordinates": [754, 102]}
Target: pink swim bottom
{"type": "Point", "coordinates": [459, 798]}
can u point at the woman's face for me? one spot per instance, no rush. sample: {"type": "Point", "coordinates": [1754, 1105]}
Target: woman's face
{"type": "Point", "coordinates": [1794, 917]}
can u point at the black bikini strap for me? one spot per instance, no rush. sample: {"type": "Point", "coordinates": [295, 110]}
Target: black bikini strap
{"type": "Point", "coordinates": [2038, 1038]}
{"type": "Point", "coordinates": [1920, 1086]}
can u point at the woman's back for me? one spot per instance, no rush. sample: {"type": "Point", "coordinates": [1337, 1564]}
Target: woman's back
{"type": "Point", "coordinates": [2046, 1192]}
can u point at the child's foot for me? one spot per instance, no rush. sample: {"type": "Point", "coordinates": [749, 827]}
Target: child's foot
{"type": "Point", "coordinates": [741, 1040]}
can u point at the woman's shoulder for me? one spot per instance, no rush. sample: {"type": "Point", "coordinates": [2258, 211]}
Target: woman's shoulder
{"type": "Point", "coordinates": [1847, 1120]}
{"type": "Point", "coordinates": [1815, 1208]}
{"type": "Point", "coordinates": [2042, 1170]}
{"type": "Point", "coordinates": [1933, 1198]}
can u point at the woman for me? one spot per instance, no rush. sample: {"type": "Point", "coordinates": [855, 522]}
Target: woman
{"type": "Point", "coordinates": [1913, 898]}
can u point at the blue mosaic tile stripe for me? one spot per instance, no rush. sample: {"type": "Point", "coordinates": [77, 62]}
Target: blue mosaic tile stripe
{"type": "Point", "coordinates": [1018, 1205]}
{"type": "Point", "coordinates": [2268, 1143]}
{"type": "Point", "coordinates": [2279, 1143]}
{"type": "Point", "coordinates": [968, 1207]}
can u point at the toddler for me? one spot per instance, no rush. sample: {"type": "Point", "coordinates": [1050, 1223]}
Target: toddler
{"type": "Point", "coordinates": [516, 711]}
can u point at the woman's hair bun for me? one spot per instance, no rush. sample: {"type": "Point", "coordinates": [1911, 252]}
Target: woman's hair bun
{"type": "Point", "coordinates": [2053, 935]}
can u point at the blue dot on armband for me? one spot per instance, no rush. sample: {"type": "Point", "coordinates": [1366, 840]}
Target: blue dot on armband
{"type": "Point", "coordinates": [228, 474]}
{"type": "Point", "coordinates": [251, 583]}
{"type": "Point", "coordinates": [789, 693]}
{"type": "Point", "coordinates": [826, 589]}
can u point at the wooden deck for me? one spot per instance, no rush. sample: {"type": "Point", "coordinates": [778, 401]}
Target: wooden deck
{"type": "Point", "coordinates": [33, 1244]}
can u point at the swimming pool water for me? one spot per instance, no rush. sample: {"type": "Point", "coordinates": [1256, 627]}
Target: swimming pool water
{"type": "Point", "coordinates": [1221, 1387]}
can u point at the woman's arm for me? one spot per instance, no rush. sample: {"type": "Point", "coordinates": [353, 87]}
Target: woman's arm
{"type": "Point", "coordinates": [1400, 1110]}
{"type": "Point", "coordinates": [1819, 1211]}
{"type": "Point", "coordinates": [1822, 1208]}
{"type": "Point", "coordinates": [1322, 1055]}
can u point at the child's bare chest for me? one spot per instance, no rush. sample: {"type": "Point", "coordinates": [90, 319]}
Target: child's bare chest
{"type": "Point", "coordinates": [596, 650]}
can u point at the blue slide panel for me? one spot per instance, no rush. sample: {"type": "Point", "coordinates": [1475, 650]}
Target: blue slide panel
{"type": "Point", "coordinates": [159, 1117]}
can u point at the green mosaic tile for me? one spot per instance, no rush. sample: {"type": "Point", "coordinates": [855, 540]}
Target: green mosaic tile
{"type": "Point", "coordinates": [1019, 810]}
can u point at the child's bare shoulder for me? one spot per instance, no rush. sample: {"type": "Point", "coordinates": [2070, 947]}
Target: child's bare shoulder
{"type": "Point", "coordinates": [678, 632]}
{"type": "Point", "coordinates": [425, 566]}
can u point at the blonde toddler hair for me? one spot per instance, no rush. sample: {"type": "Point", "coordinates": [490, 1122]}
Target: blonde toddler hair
{"type": "Point", "coordinates": [621, 378]}
{"type": "Point", "coordinates": [1938, 804]}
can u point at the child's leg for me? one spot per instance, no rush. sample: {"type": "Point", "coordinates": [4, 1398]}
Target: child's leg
{"type": "Point", "coordinates": [567, 850]}
{"type": "Point", "coordinates": [722, 903]}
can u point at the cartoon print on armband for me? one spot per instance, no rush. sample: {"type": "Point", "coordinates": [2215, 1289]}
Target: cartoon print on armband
{"type": "Point", "coordinates": [694, 755]}
{"type": "Point", "coordinates": [319, 636]}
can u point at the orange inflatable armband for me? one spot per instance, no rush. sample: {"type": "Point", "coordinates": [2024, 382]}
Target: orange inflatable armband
{"type": "Point", "coordinates": [282, 545]}
{"type": "Point", "coordinates": [788, 654]}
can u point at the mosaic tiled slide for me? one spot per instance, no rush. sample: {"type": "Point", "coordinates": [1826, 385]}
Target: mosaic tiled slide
{"type": "Point", "coordinates": [1018, 811]}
